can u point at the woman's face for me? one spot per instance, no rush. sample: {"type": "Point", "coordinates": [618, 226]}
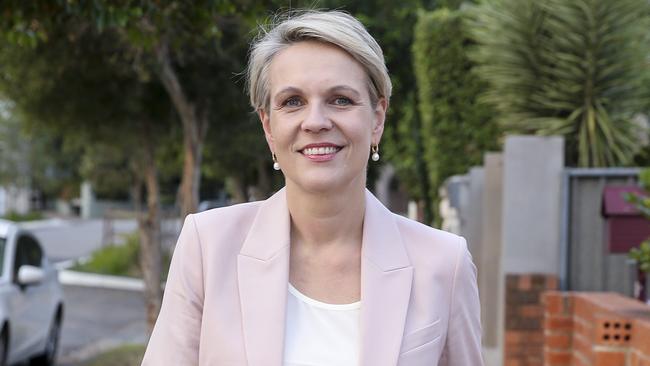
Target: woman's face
{"type": "Point", "coordinates": [320, 122]}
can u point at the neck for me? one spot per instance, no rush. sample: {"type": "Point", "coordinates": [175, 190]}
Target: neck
{"type": "Point", "coordinates": [321, 219]}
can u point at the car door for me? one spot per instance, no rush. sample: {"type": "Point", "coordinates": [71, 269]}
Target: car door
{"type": "Point", "coordinates": [29, 320]}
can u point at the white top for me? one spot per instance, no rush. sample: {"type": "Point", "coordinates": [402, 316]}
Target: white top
{"type": "Point", "coordinates": [320, 334]}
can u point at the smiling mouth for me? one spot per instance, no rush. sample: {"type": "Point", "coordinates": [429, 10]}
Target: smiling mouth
{"type": "Point", "coordinates": [321, 153]}
{"type": "Point", "coordinates": [328, 150]}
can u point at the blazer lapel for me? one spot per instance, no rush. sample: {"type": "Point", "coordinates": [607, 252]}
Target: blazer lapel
{"type": "Point", "coordinates": [262, 274]}
{"type": "Point", "coordinates": [386, 276]}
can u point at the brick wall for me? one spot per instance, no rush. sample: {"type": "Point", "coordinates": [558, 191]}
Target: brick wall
{"type": "Point", "coordinates": [595, 329]}
{"type": "Point", "coordinates": [524, 335]}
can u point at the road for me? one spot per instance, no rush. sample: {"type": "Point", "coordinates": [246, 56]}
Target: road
{"type": "Point", "coordinates": [76, 238]}
{"type": "Point", "coordinates": [95, 319]}
{"type": "Point", "coordinates": [99, 319]}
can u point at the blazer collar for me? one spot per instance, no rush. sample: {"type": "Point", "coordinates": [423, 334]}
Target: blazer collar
{"type": "Point", "coordinates": [263, 275]}
{"type": "Point", "coordinates": [386, 276]}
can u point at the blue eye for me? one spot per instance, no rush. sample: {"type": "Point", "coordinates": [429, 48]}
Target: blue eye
{"type": "Point", "coordinates": [342, 101]}
{"type": "Point", "coordinates": [293, 102]}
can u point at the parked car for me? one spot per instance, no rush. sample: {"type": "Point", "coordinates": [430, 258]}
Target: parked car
{"type": "Point", "coordinates": [31, 299]}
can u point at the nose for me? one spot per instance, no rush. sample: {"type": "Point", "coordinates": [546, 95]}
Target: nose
{"type": "Point", "coordinates": [316, 119]}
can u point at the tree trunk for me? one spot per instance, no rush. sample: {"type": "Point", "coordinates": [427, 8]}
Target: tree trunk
{"type": "Point", "coordinates": [195, 126]}
{"type": "Point", "coordinates": [149, 230]}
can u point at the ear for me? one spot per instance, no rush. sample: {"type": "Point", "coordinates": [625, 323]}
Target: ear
{"type": "Point", "coordinates": [380, 118]}
{"type": "Point", "coordinates": [265, 118]}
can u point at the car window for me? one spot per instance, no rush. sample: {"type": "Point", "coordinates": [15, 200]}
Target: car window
{"type": "Point", "coordinates": [29, 252]}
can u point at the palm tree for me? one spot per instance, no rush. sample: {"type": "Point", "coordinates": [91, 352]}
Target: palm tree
{"type": "Point", "coordinates": [567, 67]}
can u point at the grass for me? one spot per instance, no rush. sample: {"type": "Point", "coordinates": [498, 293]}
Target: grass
{"type": "Point", "coordinates": [16, 217]}
{"type": "Point", "coordinates": [127, 355]}
{"type": "Point", "coordinates": [119, 260]}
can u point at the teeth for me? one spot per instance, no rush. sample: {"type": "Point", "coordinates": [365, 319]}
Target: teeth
{"type": "Point", "coordinates": [320, 150]}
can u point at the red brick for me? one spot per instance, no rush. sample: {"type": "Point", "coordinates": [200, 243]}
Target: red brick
{"type": "Point", "coordinates": [561, 341]}
{"type": "Point", "coordinates": [531, 311]}
{"type": "Point", "coordinates": [525, 283]}
{"type": "Point", "coordinates": [558, 323]}
{"type": "Point", "coordinates": [610, 358]}
{"type": "Point", "coordinates": [557, 358]}
{"type": "Point", "coordinates": [553, 302]}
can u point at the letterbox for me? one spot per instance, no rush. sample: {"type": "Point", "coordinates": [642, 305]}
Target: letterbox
{"type": "Point", "coordinates": [625, 227]}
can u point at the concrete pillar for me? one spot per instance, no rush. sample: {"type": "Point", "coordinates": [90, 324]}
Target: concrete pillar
{"type": "Point", "coordinates": [474, 213]}
{"type": "Point", "coordinates": [531, 204]}
{"type": "Point", "coordinates": [3, 203]}
{"type": "Point", "coordinates": [490, 261]}
{"type": "Point", "coordinates": [530, 256]}
{"type": "Point", "coordinates": [88, 201]}
{"type": "Point", "coordinates": [456, 192]}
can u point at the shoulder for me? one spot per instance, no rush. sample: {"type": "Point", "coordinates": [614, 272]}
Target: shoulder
{"type": "Point", "coordinates": [224, 227]}
{"type": "Point", "coordinates": [422, 237]}
{"type": "Point", "coordinates": [240, 213]}
{"type": "Point", "coordinates": [431, 249]}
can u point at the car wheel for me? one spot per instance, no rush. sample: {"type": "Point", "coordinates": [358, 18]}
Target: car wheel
{"type": "Point", "coordinates": [48, 357]}
{"type": "Point", "coordinates": [4, 343]}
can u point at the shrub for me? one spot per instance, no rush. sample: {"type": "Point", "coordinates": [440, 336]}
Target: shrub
{"type": "Point", "coordinates": [570, 68]}
{"type": "Point", "coordinates": [120, 260]}
{"type": "Point", "coordinates": [16, 217]}
{"type": "Point", "coordinates": [457, 129]}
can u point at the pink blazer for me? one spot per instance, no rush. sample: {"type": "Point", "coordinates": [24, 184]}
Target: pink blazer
{"type": "Point", "coordinates": [225, 297]}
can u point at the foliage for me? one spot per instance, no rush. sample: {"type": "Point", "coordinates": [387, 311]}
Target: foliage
{"type": "Point", "coordinates": [119, 259]}
{"type": "Point", "coordinates": [570, 68]}
{"type": "Point", "coordinates": [40, 160]}
{"type": "Point", "coordinates": [456, 128]}
{"type": "Point", "coordinates": [127, 355]}
{"type": "Point", "coordinates": [16, 217]}
{"type": "Point", "coordinates": [642, 256]}
{"type": "Point", "coordinates": [642, 203]}
{"type": "Point", "coordinates": [101, 116]}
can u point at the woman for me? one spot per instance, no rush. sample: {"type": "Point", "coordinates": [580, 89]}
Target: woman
{"type": "Point", "coordinates": [321, 273]}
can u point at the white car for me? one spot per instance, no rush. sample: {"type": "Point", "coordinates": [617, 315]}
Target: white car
{"type": "Point", "coordinates": [31, 300]}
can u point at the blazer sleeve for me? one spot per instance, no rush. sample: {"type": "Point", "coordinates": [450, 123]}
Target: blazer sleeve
{"type": "Point", "coordinates": [175, 337]}
{"type": "Point", "coordinates": [463, 346]}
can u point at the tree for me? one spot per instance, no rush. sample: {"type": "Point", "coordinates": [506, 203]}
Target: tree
{"type": "Point", "coordinates": [570, 68]}
{"type": "Point", "coordinates": [42, 162]}
{"type": "Point", "coordinates": [83, 86]}
{"type": "Point", "coordinates": [191, 44]}
{"type": "Point", "coordinates": [457, 129]}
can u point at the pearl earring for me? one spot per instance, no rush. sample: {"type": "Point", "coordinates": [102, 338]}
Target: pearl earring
{"type": "Point", "coordinates": [276, 165]}
{"type": "Point", "coordinates": [375, 152]}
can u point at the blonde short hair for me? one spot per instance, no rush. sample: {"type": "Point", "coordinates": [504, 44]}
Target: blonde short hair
{"type": "Point", "coordinates": [333, 27]}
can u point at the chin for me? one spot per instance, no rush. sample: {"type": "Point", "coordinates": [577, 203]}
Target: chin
{"type": "Point", "coordinates": [326, 182]}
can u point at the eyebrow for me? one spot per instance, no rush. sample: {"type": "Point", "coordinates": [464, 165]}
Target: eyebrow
{"type": "Point", "coordinates": [336, 88]}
